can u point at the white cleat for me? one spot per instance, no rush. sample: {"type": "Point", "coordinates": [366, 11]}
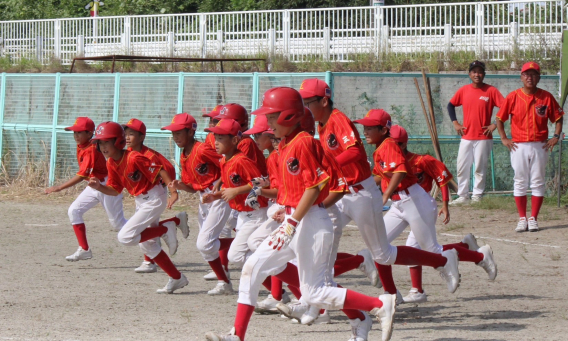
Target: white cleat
{"type": "Point", "coordinates": [211, 336]}
{"type": "Point", "coordinates": [293, 310]}
{"type": "Point", "coordinates": [182, 216]}
{"type": "Point", "coordinates": [533, 225]}
{"type": "Point", "coordinates": [460, 201]}
{"type": "Point", "coordinates": [414, 296]}
{"type": "Point", "coordinates": [368, 267]}
{"type": "Point", "coordinates": [471, 242]}
{"type": "Point", "coordinates": [146, 268]}
{"type": "Point", "coordinates": [450, 272]}
{"type": "Point", "coordinates": [360, 329]}
{"type": "Point", "coordinates": [522, 225]}
{"type": "Point", "coordinates": [476, 198]}
{"type": "Point", "coordinates": [310, 315]}
{"type": "Point", "coordinates": [488, 263]}
{"type": "Point", "coordinates": [80, 254]}
{"type": "Point", "coordinates": [211, 276]}
{"type": "Point", "coordinates": [173, 285]}
{"type": "Point", "coordinates": [268, 305]}
{"type": "Point", "coordinates": [222, 288]}
{"type": "Point", "coordinates": [385, 315]}
{"type": "Point", "coordinates": [399, 299]}
{"type": "Point", "coordinates": [170, 237]}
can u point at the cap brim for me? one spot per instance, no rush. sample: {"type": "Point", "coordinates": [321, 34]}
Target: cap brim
{"type": "Point", "coordinates": [531, 68]}
{"type": "Point", "coordinates": [210, 115]}
{"type": "Point", "coordinates": [254, 130]}
{"type": "Point", "coordinates": [218, 130]}
{"type": "Point", "coordinates": [75, 128]}
{"type": "Point", "coordinates": [265, 111]}
{"type": "Point", "coordinates": [307, 94]}
{"type": "Point", "coordinates": [369, 122]}
{"type": "Point", "coordinates": [174, 127]}
{"type": "Point", "coordinates": [124, 126]}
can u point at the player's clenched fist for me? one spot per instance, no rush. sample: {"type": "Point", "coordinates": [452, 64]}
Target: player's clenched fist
{"type": "Point", "coordinates": [261, 182]}
{"type": "Point", "coordinates": [282, 236]}
{"type": "Point", "coordinates": [94, 183]}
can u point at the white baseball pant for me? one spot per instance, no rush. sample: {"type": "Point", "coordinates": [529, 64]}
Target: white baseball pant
{"type": "Point", "coordinates": [311, 244]}
{"type": "Point", "coordinates": [418, 210]}
{"type": "Point", "coordinates": [365, 208]}
{"type": "Point", "coordinates": [247, 223]}
{"type": "Point", "coordinates": [265, 229]}
{"type": "Point", "coordinates": [529, 163]}
{"type": "Point", "coordinates": [149, 208]}
{"type": "Point", "coordinates": [212, 218]}
{"type": "Point", "coordinates": [473, 152]}
{"type": "Point", "coordinates": [89, 198]}
{"type": "Point", "coordinates": [231, 225]}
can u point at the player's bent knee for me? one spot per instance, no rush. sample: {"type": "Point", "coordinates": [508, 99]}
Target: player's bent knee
{"type": "Point", "coordinates": [126, 239]}
{"type": "Point", "coordinates": [75, 215]}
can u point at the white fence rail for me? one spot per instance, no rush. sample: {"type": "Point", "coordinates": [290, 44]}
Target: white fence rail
{"type": "Point", "coordinates": [491, 30]}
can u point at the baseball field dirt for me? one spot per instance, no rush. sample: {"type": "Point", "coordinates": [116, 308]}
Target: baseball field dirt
{"type": "Point", "coordinates": [44, 297]}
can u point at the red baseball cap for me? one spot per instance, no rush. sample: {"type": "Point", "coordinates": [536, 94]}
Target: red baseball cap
{"type": "Point", "coordinates": [376, 117]}
{"type": "Point", "coordinates": [260, 125]}
{"type": "Point", "coordinates": [531, 66]}
{"type": "Point", "coordinates": [182, 121]}
{"type": "Point", "coordinates": [399, 134]}
{"type": "Point", "coordinates": [226, 127]}
{"type": "Point", "coordinates": [314, 87]}
{"type": "Point", "coordinates": [82, 124]}
{"type": "Point", "coordinates": [215, 112]}
{"type": "Point", "coordinates": [135, 124]}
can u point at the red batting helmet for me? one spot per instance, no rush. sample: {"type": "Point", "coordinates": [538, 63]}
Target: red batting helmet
{"type": "Point", "coordinates": [108, 131]}
{"type": "Point", "coordinates": [235, 112]}
{"type": "Point", "coordinates": [308, 124]}
{"type": "Point", "coordinates": [286, 101]}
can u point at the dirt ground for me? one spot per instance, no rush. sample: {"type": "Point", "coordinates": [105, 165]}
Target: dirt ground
{"type": "Point", "coordinates": [44, 297]}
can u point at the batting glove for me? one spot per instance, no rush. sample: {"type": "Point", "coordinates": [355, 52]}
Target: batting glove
{"type": "Point", "coordinates": [252, 198]}
{"type": "Point", "coordinates": [261, 182]}
{"type": "Point", "coordinates": [282, 236]}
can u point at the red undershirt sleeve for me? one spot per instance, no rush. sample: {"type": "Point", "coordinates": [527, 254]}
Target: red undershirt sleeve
{"type": "Point", "coordinates": [348, 156]}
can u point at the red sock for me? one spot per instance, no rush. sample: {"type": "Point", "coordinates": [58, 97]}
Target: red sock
{"type": "Point", "coordinates": [410, 256]}
{"type": "Point", "coordinates": [267, 283]}
{"type": "Point", "coordinates": [225, 243]}
{"type": "Point", "coordinates": [355, 300]}
{"type": "Point", "coordinates": [165, 263]}
{"type": "Point", "coordinates": [148, 259]}
{"type": "Point", "coordinates": [290, 275]}
{"type": "Point", "coordinates": [344, 265]}
{"type": "Point", "coordinates": [351, 314]}
{"type": "Point", "coordinates": [295, 291]}
{"type": "Point", "coordinates": [453, 246]}
{"type": "Point", "coordinates": [152, 232]}
{"type": "Point", "coordinates": [81, 233]}
{"type": "Point", "coordinates": [224, 251]}
{"type": "Point", "coordinates": [276, 288]}
{"type": "Point", "coordinates": [218, 269]}
{"type": "Point", "coordinates": [416, 277]}
{"type": "Point", "coordinates": [521, 203]}
{"type": "Point", "coordinates": [385, 275]}
{"type": "Point", "coordinates": [341, 255]}
{"type": "Point", "coordinates": [466, 255]}
{"type": "Point", "coordinates": [244, 313]}
{"type": "Point", "coordinates": [174, 219]}
{"type": "Point", "coordinates": [536, 203]}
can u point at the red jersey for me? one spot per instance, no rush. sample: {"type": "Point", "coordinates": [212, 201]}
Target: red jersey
{"type": "Point", "coordinates": [210, 140]}
{"type": "Point", "coordinates": [428, 169]}
{"type": "Point", "coordinates": [300, 168]}
{"type": "Point", "coordinates": [236, 172]}
{"type": "Point", "coordinates": [200, 169]}
{"type": "Point", "coordinates": [92, 163]}
{"type": "Point", "coordinates": [478, 107]}
{"type": "Point", "coordinates": [338, 134]}
{"type": "Point", "coordinates": [158, 159]}
{"type": "Point", "coordinates": [337, 181]}
{"type": "Point", "coordinates": [389, 159]}
{"type": "Point", "coordinates": [251, 150]}
{"type": "Point", "coordinates": [272, 166]}
{"type": "Point", "coordinates": [133, 171]}
{"type": "Point", "coordinates": [530, 114]}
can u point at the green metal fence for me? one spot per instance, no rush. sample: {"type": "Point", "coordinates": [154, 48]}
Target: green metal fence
{"type": "Point", "coordinates": [34, 109]}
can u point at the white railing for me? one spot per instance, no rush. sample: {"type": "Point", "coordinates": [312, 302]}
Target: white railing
{"type": "Point", "coordinates": [491, 30]}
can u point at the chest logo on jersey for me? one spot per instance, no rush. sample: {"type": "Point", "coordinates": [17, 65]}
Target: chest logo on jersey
{"type": "Point", "coordinates": [484, 98]}
{"type": "Point", "coordinates": [202, 169]}
{"type": "Point", "coordinates": [332, 141]}
{"type": "Point", "coordinates": [235, 179]}
{"type": "Point", "coordinates": [541, 110]}
{"type": "Point", "coordinates": [135, 176]}
{"type": "Point", "coordinates": [293, 166]}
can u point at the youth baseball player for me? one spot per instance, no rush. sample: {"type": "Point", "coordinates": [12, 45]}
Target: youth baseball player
{"type": "Point", "coordinates": [210, 138]}
{"type": "Point", "coordinates": [530, 108]}
{"type": "Point", "coordinates": [91, 164]}
{"type": "Point", "coordinates": [136, 173]}
{"type": "Point", "coordinates": [478, 100]}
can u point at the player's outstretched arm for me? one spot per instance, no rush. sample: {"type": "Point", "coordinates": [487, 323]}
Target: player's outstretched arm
{"type": "Point", "coordinates": [96, 184]}
{"type": "Point", "coordinates": [179, 185]}
{"type": "Point", "coordinates": [230, 193]}
{"type": "Point", "coordinates": [69, 183]}
{"type": "Point", "coordinates": [210, 197]}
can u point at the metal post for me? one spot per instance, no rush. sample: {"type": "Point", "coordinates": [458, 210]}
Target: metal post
{"type": "Point", "coordinates": [514, 36]}
{"type": "Point", "coordinates": [255, 90]}
{"type": "Point", "coordinates": [326, 43]}
{"type": "Point", "coordinates": [378, 16]}
{"type": "Point", "coordinates": [81, 45]}
{"type": "Point", "coordinates": [448, 37]}
{"type": "Point", "coordinates": [203, 34]}
{"type": "Point", "coordinates": [479, 29]}
{"type": "Point", "coordinates": [171, 42]}
{"type": "Point", "coordinates": [384, 39]}
{"type": "Point", "coordinates": [53, 154]}
{"type": "Point", "coordinates": [271, 42]}
{"type": "Point", "coordinates": [329, 81]}
{"type": "Point", "coordinates": [126, 34]}
{"type": "Point", "coordinates": [560, 168]}
{"type": "Point", "coordinates": [181, 84]}
{"type": "Point", "coordinates": [116, 103]}
{"type": "Point", "coordinates": [220, 43]}
{"type": "Point", "coordinates": [2, 102]}
{"type": "Point", "coordinates": [1, 46]}
{"type": "Point", "coordinates": [57, 37]}
{"type": "Point", "coordinates": [286, 33]}
{"type": "Point", "coordinates": [39, 48]}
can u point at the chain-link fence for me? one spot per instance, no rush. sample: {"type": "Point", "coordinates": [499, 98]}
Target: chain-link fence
{"type": "Point", "coordinates": [34, 109]}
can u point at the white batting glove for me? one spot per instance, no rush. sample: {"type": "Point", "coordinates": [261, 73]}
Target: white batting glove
{"type": "Point", "coordinates": [252, 198]}
{"type": "Point", "coordinates": [282, 236]}
{"type": "Point", "coordinates": [261, 182]}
